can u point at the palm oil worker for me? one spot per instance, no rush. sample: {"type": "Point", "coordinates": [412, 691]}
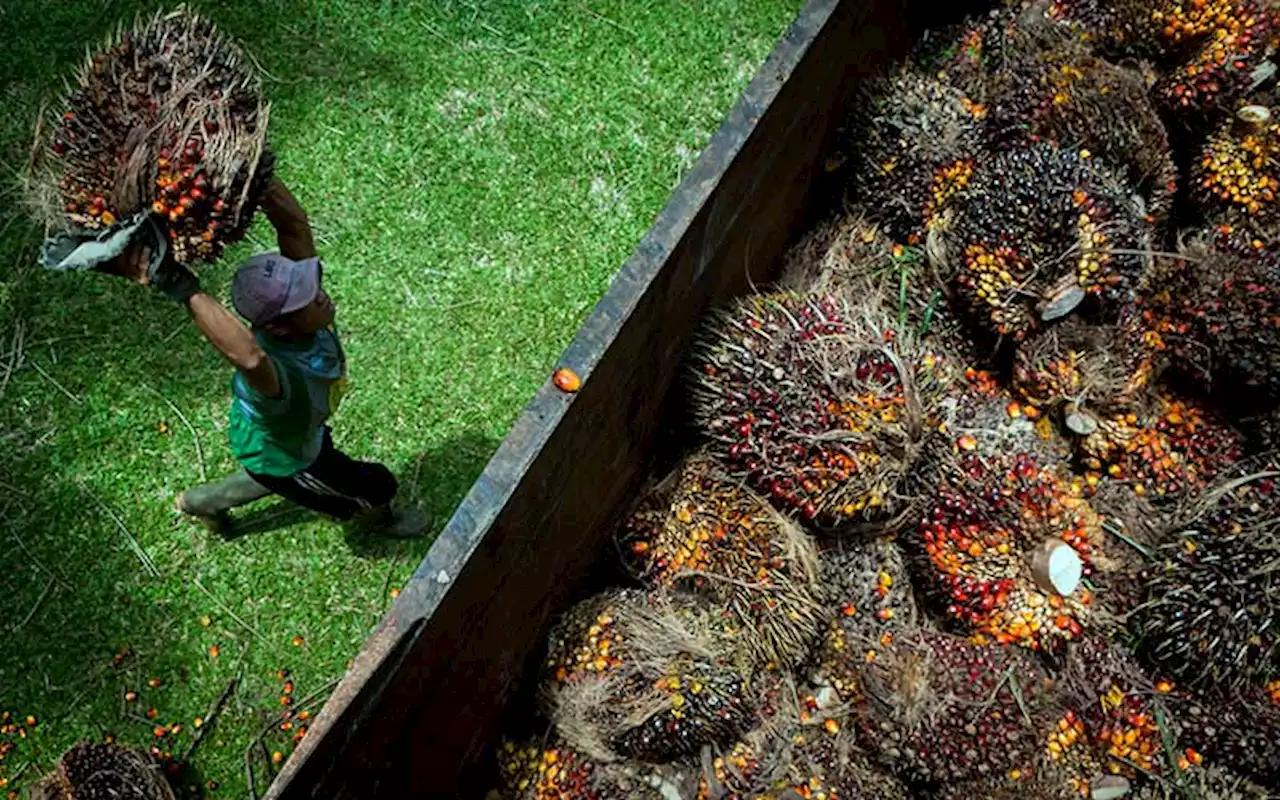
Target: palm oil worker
{"type": "Point", "coordinates": [290, 376]}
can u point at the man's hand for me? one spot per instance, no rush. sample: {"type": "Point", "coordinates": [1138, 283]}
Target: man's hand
{"type": "Point", "coordinates": [173, 280]}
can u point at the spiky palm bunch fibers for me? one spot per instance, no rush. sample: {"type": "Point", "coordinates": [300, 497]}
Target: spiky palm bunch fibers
{"type": "Point", "coordinates": [1036, 232]}
{"type": "Point", "coordinates": [1080, 372]}
{"type": "Point", "coordinates": [939, 708]}
{"type": "Point", "coordinates": [643, 676]}
{"type": "Point", "coordinates": [699, 531]}
{"type": "Point", "coordinates": [916, 149]}
{"type": "Point", "coordinates": [1212, 615]}
{"type": "Point", "coordinates": [104, 772]}
{"type": "Point", "coordinates": [819, 402]}
{"type": "Point", "coordinates": [1217, 314]}
{"type": "Point", "coordinates": [168, 116]}
{"type": "Point", "coordinates": [1205, 783]}
{"type": "Point", "coordinates": [1208, 47]}
{"type": "Point", "coordinates": [798, 750]}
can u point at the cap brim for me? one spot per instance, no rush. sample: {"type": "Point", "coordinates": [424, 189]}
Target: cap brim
{"type": "Point", "coordinates": [304, 285]}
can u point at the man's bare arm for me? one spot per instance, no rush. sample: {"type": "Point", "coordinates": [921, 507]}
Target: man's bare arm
{"type": "Point", "coordinates": [293, 231]}
{"type": "Point", "coordinates": [228, 335]}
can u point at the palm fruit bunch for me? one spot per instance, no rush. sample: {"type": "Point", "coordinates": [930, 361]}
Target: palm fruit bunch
{"type": "Point", "coordinates": [1236, 178]}
{"type": "Point", "coordinates": [1239, 731]}
{"type": "Point", "coordinates": [1081, 372]}
{"type": "Point", "coordinates": [936, 708]}
{"type": "Point", "coordinates": [992, 518]}
{"type": "Point", "coordinates": [167, 116]}
{"type": "Point", "coordinates": [552, 770]}
{"type": "Point", "coordinates": [698, 531]}
{"type": "Point", "coordinates": [798, 750]}
{"type": "Point", "coordinates": [1175, 447]}
{"type": "Point", "coordinates": [1209, 49]}
{"type": "Point", "coordinates": [103, 772]}
{"type": "Point", "coordinates": [979, 415]}
{"type": "Point", "coordinates": [1036, 232]}
{"type": "Point", "coordinates": [819, 402]}
{"type": "Point", "coordinates": [1205, 783]}
{"type": "Point", "coordinates": [1049, 87]}
{"type": "Point", "coordinates": [1212, 613]}
{"type": "Point", "coordinates": [1217, 314]}
{"type": "Point", "coordinates": [918, 148]}
{"type": "Point", "coordinates": [631, 675]}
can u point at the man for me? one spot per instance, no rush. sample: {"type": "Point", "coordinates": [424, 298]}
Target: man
{"type": "Point", "coordinates": [290, 378]}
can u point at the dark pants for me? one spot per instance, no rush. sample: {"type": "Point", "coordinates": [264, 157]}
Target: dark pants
{"type": "Point", "coordinates": [335, 484]}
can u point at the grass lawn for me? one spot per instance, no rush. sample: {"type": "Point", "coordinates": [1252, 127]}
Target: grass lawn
{"type": "Point", "coordinates": [475, 173]}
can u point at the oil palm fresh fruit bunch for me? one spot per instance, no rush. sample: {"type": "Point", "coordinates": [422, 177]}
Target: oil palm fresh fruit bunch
{"type": "Point", "coordinates": [978, 414]}
{"type": "Point", "coordinates": [1038, 233]}
{"type": "Point", "coordinates": [917, 147]}
{"type": "Point", "coordinates": [1216, 313]}
{"type": "Point", "coordinates": [1208, 49]}
{"type": "Point", "coordinates": [1205, 783]}
{"type": "Point", "coordinates": [698, 530]}
{"type": "Point", "coordinates": [1235, 179]}
{"type": "Point", "coordinates": [1175, 447]}
{"type": "Point", "coordinates": [866, 586]}
{"type": "Point", "coordinates": [102, 771]}
{"type": "Point", "coordinates": [1051, 88]}
{"type": "Point", "coordinates": [169, 117]}
{"type": "Point", "coordinates": [936, 708]}
{"type": "Point", "coordinates": [552, 770]}
{"type": "Point", "coordinates": [630, 675]}
{"type": "Point", "coordinates": [1080, 372]}
{"type": "Point", "coordinates": [1007, 546]}
{"type": "Point", "coordinates": [819, 402]}
{"type": "Point", "coordinates": [798, 750]}
{"type": "Point", "coordinates": [1212, 613]}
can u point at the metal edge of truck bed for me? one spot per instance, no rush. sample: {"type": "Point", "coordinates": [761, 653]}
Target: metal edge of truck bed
{"type": "Point", "coordinates": [427, 691]}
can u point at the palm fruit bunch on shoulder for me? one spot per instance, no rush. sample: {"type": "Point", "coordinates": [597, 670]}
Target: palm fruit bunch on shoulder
{"type": "Point", "coordinates": [698, 530]}
{"type": "Point", "coordinates": [1080, 372]}
{"type": "Point", "coordinates": [1051, 88]}
{"type": "Point", "coordinates": [553, 770]}
{"type": "Point", "coordinates": [936, 708]}
{"type": "Point", "coordinates": [1216, 314]}
{"type": "Point", "coordinates": [1207, 49]}
{"type": "Point", "coordinates": [1007, 549]}
{"type": "Point", "coordinates": [820, 402]}
{"type": "Point", "coordinates": [917, 146]}
{"type": "Point", "coordinates": [1205, 783]}
{"type": "Point", "coordinates": [1235, 179]}
{"type": "Point", "coordinates": [98, 771]}
{"type": "Point", "coordinates": [168, 117]}
{"type": "Point", "coordinates": [1212, 613]}
{"type": "Point", "coordinates": [1037, 233]}
{"type": "Point", "coordinates": [645, 676]}
{"type": "Point", "coordinates": [1177, 446]}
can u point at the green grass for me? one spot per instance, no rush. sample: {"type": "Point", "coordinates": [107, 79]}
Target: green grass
{"type": "Point", "coordinates": [476, 173]}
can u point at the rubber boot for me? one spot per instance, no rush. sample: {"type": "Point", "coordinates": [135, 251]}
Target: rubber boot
{"type": "Point", "coordinates": [210, 502]}
{"type": "Point", "coordinates": [397, 523]}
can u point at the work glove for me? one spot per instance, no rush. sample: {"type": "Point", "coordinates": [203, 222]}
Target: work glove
{"type": "Point", "coordinates": [176, 282]}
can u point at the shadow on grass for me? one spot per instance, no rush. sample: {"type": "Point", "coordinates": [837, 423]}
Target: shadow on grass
{"type": "Point", "coordinates": [434, 482]}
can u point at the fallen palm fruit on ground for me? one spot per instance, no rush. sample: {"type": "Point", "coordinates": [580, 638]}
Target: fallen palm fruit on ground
{"type": "Point", "coordinates": [167, 118]}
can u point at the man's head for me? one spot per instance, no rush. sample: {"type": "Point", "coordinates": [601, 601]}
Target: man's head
{"type": "Point", "coordinates": [282, 296]}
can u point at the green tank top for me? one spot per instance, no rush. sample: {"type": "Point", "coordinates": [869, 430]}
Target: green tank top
{"type": "Point", "coordinates": [283, 435]}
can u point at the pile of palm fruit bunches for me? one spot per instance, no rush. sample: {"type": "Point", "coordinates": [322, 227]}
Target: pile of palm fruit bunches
{"type": "Point", "coordinates": [166, 118]}
{"type": "Point", "coordinates": [980, 503]}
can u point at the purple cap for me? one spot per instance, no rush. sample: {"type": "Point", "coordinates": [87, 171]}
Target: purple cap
{"type": "Point", "coordinates": [270, 285]}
